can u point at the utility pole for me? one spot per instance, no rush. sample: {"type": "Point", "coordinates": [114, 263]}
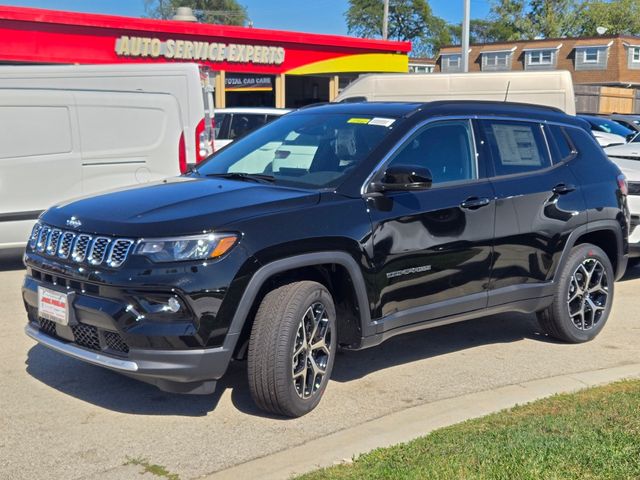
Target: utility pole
{"type": "Point", "coordinates": [466, 19]}
{"type": "Point", "coordinates": [385, 20]}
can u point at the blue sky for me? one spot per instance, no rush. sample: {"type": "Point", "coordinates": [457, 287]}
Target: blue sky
{"type": "Point", "coordinates": [317, 16]}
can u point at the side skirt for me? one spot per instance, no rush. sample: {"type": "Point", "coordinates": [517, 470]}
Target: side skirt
{"type": "Point", "coordinates": [517, 298]}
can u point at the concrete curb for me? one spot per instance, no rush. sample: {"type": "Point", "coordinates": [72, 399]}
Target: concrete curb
{"type": "Point", "coordinates": [414, 422]}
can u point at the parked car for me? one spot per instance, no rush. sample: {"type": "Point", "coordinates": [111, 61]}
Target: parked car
{"type": "Point", "coordinates": [608, 132]}
{"type": "Point", "coordinates": [72, 130]}
{"type": "Point", "coordinates": [233, 123]}
{"type": "Point", "coordinates": [632, 122]}
{"type": "Point", "coordinates": [627, 157]}
{"type": "Point", "coordinates": [407, 216]}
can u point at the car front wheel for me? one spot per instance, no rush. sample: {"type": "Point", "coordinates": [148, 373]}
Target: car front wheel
{"type": "Point", "coordinates": [292, 348]}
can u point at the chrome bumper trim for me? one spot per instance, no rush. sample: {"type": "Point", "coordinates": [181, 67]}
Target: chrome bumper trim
{"type": "Point", "coordinates": [80, 353]}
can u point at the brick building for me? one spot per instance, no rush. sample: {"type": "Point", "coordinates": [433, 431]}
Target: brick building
{"type": "Point", "coordinates": [605, 69]}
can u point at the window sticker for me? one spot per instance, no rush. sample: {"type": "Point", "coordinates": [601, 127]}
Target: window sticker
{"type": "Point", "coordinates": [363, 121]}
{"type": "Point", "coordinates": [516, 145]}
{"type": "Point", "coordinates": [382, 122]}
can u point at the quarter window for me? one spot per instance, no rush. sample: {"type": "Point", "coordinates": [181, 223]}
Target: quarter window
{"type": "Point", "coordinates": [558, 138]}
{"type": "Point", "coordinates": [445, 148]}
{"type": "Point", "coordinates": [517, 147]}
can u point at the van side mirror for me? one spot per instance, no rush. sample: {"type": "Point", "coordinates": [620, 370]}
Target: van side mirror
{"type": "Point", "coordinates": [399, 178]}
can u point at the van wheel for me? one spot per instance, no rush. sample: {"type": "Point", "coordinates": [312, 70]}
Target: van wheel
{"type": "Point", "coordinates": [292, 348]}
{"type": "Point", "coordinates": [583, 296]}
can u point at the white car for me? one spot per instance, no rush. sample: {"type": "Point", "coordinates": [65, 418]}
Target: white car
{"type": "Point", "coordinates": [607, 132]}
{"type": "Point", "coordinates": [232, 123]}
{"type": "Point", "coordinates": [627, 157]}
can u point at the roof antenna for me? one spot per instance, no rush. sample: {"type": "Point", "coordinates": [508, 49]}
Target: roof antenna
{"type": "Point", "coordinates": [506, 94]}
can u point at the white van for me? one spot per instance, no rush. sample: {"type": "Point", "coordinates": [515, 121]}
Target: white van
{"type": "Point", "coordinates": [182, 80]}
{"type": "Point", "coordinates": [57, 144]}
{"type": "Point", "coordinates": [552, 88]}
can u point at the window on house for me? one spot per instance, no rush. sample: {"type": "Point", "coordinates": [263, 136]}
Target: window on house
{"type": "Point", "coordinates": [540, 57]}
{"type": "Point", "coordinates": [450, 63]}
{"type": "Point", "coordinates": [590, 55]}
{"type": "Point", "coordinates": [498, 59]}
{"type": "Point", "coordinates": [635, 54]}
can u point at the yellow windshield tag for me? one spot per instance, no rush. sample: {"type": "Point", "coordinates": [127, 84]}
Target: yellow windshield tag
{"type": "Point", "coordinates": [363, 121]}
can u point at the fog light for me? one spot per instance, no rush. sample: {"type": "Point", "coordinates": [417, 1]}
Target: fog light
{"type": "Point", "coordinates": [173, 304]}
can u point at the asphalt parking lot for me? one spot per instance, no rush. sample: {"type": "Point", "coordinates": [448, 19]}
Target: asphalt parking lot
{"type": "Point", "coordinates": [62, 419]}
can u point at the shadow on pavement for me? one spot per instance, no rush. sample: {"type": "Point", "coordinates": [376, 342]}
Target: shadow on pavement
{"type": "Point", "coordinates": [115, 392]}
{"type": "Point", "coordinates": [632, 273]}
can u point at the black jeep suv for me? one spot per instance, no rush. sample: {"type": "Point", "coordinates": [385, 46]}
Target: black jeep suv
{"type": "Point", "coordinates": [336, 226]}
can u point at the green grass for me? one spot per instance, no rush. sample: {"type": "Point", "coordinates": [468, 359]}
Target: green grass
{"type": "Point", "coordinates": [157, 470]}
{"type": "Point", "coordinates": [593, 434]}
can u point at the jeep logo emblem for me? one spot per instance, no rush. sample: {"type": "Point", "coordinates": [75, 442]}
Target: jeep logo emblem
{"type": "Point", "coordinates": [73, 222]}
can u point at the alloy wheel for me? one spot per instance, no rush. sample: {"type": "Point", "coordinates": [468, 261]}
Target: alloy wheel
{"type": "Point", "coordinates": [311, 350]}
{"type": "Point", "coordinates": [588, 294]}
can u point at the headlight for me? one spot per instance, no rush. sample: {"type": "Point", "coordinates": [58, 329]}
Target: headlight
{"type": "Point", "coordinates": [193, 247]}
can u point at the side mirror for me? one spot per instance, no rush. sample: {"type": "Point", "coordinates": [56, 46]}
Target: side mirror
{"type": "Point", "coordinates": [404, 178]}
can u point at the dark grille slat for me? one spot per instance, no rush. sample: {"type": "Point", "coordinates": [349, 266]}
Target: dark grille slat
{"type": "Point", "coordinates": [43, 238]}
{"type": "Point", "coordinates": [80, 247]}
{"type": "Point", "coordinates": [64, 250]}
{"type": "Point", "coordinates": [54, 239]}
{"type": "Point", "coordinates": [98, 250]}
{"type": "Point", "coordinates": [119, 252]}
{"type": "Point", "coordinates": [35, 233]}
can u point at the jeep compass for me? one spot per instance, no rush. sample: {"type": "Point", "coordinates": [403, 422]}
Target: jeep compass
{"type": "Point", "coordinates": [335, 226]}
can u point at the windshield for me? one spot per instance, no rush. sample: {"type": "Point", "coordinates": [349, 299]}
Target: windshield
{"type": "Point", "coordinates": [307, 150]}
{"type": "Point", "coordinates": [609, 126]}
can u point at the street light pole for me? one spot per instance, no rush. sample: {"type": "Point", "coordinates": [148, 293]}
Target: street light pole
{"type": "Point", "coordinates": [466, 19]}
{"type": "Point", "coordinates": [385, 20]}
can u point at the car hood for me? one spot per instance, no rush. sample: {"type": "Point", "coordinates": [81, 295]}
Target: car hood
{"type": "Point", "coordinates": [630, 168]}
{"type": "Point", "coordinates": [177, 206]}
{"type": "Point", "coordinates": [605, 138]}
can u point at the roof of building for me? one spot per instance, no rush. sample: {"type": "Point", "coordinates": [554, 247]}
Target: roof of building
{"type": "Point", "coordinates": [542, 43]}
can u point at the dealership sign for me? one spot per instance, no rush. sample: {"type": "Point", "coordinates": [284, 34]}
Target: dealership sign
{"type": "Point", "coordinates": [192, 50]}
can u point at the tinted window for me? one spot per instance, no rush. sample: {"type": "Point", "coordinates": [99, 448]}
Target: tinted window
{"type": "Point", "coordinates": [271, 118]}
{"type": "Point", "coordinates": [222, 121]}
{"type": "Point", "coordinates": [310, 149]}
{"type": "Point", "coordinates": [445, 148]}
{"type": "Point", "coordinates": [243, 123]}
{"type": "Point", "coordinates": [517, 147]}
{"type": "Point", "coordinates": [582, 140]}
{"type": "Point", "coordinates": [560, 143]}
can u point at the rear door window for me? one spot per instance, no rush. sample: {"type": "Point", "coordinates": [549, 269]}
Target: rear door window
{"type": "Point", "coordinates": [516, 147]}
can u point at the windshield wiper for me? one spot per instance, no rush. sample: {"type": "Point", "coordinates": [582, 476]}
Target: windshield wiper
{"type": "Point", "coordinates": [253, 177]}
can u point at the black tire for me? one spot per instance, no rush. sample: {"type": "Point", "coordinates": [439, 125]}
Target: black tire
{"type": "Point", "coordinates": [276, 330]}
{"type": "Point", "coordinates": [590, 308]}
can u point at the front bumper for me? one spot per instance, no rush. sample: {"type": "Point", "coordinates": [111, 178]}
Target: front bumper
{"type": "Point", "coordinates": [191, 371]}
{"type": "Point", "coordinates": [183, 355]}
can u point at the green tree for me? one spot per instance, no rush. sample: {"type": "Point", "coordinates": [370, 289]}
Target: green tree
{"type": "Point", "coordinates": [409, 20]}
{"type": "Point", "coordinates": [510, 20]}
{"type": "Point", "coordinates": [226, 12]}
{"type": "Point", "coordinates": [555, 18]}
{"type": "Point", "coordinates": [617, 16]}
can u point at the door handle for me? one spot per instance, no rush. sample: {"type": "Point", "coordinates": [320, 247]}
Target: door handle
{"type": "Point", "coordinates": [473, 203]}
{"type": "Point", "coordinates": [563, 188]}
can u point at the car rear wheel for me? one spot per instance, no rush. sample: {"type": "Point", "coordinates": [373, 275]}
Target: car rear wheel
{"type": "Point", "coordinates": [583, 296]}
{"type": "Point", "coordinates": [292, 348]}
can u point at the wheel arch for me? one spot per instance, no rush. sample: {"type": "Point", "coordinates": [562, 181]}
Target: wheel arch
{"type": "Point", "coordinates": [605, 234]}
{"type": "Point", "coordinates": [328, 268]}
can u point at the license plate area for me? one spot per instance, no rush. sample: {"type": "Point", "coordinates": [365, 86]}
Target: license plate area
{"type": "Point", "coordinates": [53, 305]}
